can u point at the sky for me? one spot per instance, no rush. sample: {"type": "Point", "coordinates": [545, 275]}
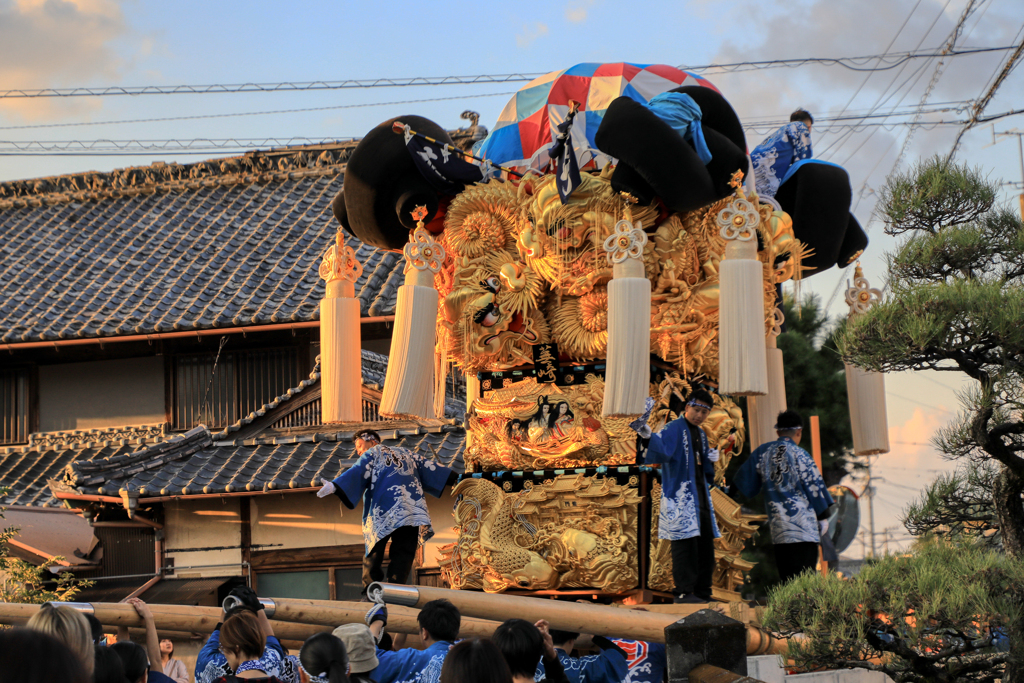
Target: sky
{"type": "Point", "coordinates": [101, 43]}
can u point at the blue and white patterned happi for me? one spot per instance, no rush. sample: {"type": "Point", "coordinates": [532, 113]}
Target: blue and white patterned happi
{"type": "Point", "coordinates": [211, 664]}
{"type": "Point", "coordinates": [411, 666]}
{"type": "Point", "coordinates": [776, 153]}
{"type": "Point", "coordinates": [646, 661]}
{"type": "Point", "coordinates": [672, 448]}
{"type": "Point", "coordinates": [392, 482]}
{"type": "Point", "coordinates": [608, 666]}
{"type": "Point", "coordinates": [794, 492]}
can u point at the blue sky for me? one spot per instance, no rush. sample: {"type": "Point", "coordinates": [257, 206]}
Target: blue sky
{"type": "Point", "coordinates": [65, 43]}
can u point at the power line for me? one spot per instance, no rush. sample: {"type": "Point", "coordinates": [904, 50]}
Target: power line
{"type": "Point", "coordinates": [254, 113]}
{"type": "Point", "coordinates": [853, 63]}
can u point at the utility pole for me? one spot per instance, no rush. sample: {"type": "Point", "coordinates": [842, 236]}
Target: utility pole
{"type": "Point", "coordinates": [869, 491]}
{"type": "Point", "coordinates": [1020, 150]}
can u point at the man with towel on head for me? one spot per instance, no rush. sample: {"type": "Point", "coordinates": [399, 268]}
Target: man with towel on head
{"type": "Point", "coordinates": [795, 495]}
{"type": "Point", "coordinates": [780, 151]}
{"type": "Point", "coordinates": [687, 518]}
{"type": "Point", "coordinates": [392, 482]}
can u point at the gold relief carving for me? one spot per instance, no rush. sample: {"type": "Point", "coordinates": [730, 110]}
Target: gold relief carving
{"type": "Point", "coordinates": [730, 567]}
{"type": "Point", "coordinates": [528, 425]}
{"type": "Point", "coordinates": [571, 531]}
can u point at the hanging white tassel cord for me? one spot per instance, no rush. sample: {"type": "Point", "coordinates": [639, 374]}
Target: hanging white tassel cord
{"type": "Point", "coordinates": [627, 368]}
{"type": "Point", "coordinates": [341, 363]}
{"type": "Point", "coordinates": [763, 410]}
{"type": "Point", "coordinates": [741, 350]}
{"type": "Point", "coordinates": [409, 382]}
{"type": "Point", "coordinates": [865, 389]}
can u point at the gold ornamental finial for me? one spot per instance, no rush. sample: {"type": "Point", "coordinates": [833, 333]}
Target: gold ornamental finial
{"type": "Point", "coordinates": [418, 214]}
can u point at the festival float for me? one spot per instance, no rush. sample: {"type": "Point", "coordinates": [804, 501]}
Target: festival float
{"type": "Point", "coordinates": [599, 254]}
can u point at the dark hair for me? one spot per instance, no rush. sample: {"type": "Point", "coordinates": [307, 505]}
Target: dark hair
{"type": "Point", "coordinates": [134, 658]}
{"type": "Point", "coordinates": [478, 660]}
{"type": "Point", "coordinates": [802, 115]}
{"type": "Point", "coordinates": [324, 653]}
{"type": "Point", "coordinates": [367, 432]}
{"type": "Point", "coordinates": [521, 645]}
{"type": "Point", "coordinates": [702, 396]}
{"type": "Point", "coordinates": [441, 619]}
{"type": "Point", "coordinates": [31, 656]}
{"type": "Point", "coordinates": [553, 417]}
{"type": "Point", "coordinates": [95, 626]}
{"type": "Point", "coordinates": [788, 421]}
{"type": "Point", "coordinates": [559, 637]}
{"type": "Point", "coordinates": [241, 632]}
{"type": "Point", "coordinates": [109, 667]}
{"type": "Point", "coordinates": [169, 641]}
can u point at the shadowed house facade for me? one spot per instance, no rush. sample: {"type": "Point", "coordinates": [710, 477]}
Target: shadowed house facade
{"type": "Point", "coordinates": [159, 374]}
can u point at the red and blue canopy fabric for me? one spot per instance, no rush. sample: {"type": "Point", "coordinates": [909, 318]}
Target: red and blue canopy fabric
{"type": "Point", "coordinates": [523, 134]}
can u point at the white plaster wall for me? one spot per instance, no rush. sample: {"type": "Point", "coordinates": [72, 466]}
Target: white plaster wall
{"type": "Point", "coordinates": [301, 520]}
{"type": "Point", "coordinates": [204, 523]}
{"type": "Point", "coordinates": [99, 394]}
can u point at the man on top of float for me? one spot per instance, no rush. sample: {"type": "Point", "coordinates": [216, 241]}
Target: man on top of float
{"type": "Point", "coordinates": [795, 495]}
{"type": "Point", "coordinates": [392, 482]}
{"type": "Point", "coordinates": [778, 152]}
{"type": "Point", "coordinates": [687, 517]}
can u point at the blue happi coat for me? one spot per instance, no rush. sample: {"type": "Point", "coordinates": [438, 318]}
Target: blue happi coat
{"type": "Point", "coordinates": [794, 492]}
{"type": "Point", "coordinates": [392, 483]}
{"type": "Point", "coordinates": [646, 661]}
{"type": "Point", "coordinates": [408, 665]}
{"type": "Point", "coordinates": [211, 664]}
{"type": "Point", "coordinates": [776, 153]}
{"type": "Point", "coordinates": [672, 448]}
{"type": "Point", "coordinates": [608, 666]}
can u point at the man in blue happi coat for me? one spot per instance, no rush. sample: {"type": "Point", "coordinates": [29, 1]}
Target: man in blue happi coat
{"type": "Point", "coordinates": [392, 483]}
{"type": "Point", "coordinates": [608, 666]}
{"type": "Point", "coordinates": [439, 622]}
{"type": "Point", "coordinates": [687, 517]}
{"type": "Point", "coordinates": [796, 498]}
{"type": "Point", "coordinates": [646, 661]}
{"type": "Point", "coordinates": [779, 151]}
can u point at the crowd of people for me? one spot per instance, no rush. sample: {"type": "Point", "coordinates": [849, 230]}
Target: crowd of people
{"type": "Point", "coordinates": [63, 645]}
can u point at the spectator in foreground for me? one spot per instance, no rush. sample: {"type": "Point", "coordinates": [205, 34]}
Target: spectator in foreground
{"type": "Point", "coordinates": [361, 648]}
{"type": "Point", "coordinates": [323, 656]}
{"type": "Point", "coordinates": [439, 622]}
{"type": "Point", "coordinates": [70, 627]}
{"type": "Point", "coordinates": [212, 664]}
{"type": "Point", "coordinates": [525, 646]}
{"type": "Point", "coordinates": [109, 667]}
{"type": "Point", "coordinates": [31, 656]}
{"type": "Point", "coordinates": [478, 660]}
{"type": "Point", "coordinates": [172, 667]}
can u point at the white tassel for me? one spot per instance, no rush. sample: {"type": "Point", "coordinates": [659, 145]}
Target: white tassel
{"type": "Point", "coordinates": [409, 382]}
{"type": "Point", "coordinates": [741, 350]}
{"type": "Point", "coordinates": [865, 389]}
{"type": "Point", "coordinates": [341, 364]}
{"type": "Point", "coordinates": [764, 410]}
{"type": "Point", "coordinates": [627, 375]}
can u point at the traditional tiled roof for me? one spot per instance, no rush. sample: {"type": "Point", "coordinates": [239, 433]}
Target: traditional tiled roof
{"type": "Point", "coordinates": [25, 470]}
{"type": "Point", "coordinates": [261, 465]}
{"type": "Point", "coordinates": [167, 247]}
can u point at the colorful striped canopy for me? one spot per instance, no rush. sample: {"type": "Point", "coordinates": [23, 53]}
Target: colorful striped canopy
{"type": "Point", "coordinates": [523, 133]}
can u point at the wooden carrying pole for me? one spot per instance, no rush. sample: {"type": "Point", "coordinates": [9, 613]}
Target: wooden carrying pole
{"type": "Point", "coordinates": [294, 620]}
{"type": "Point", "coordinates": [603, 620]}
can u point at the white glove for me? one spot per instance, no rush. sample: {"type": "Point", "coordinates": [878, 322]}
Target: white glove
{"type": "Point", "coordinates": [823, 527]}
{"type": "Point", "coordinates": [327, 489]}
{"type": "Point", "coordinates": [713, 455]}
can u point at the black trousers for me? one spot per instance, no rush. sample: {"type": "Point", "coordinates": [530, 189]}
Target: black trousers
{"type": "Point", "coordinates": [693, 560]}
{"type": "Point", "coordinates": [795, 558]}
{"type": "Point", "coordinates": [404, 541]}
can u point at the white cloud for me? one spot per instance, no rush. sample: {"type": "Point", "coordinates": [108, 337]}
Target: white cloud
{"type": "Point", "coordinates": [576, 11]}
{"type": "Point", "coordinates": [530, 33]}
{"type": "Point", "coordinates": [53, 43]}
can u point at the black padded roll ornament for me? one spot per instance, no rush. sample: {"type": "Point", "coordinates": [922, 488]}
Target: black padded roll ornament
{"type": "Point", "coordinates": [817, 198]}
{"type": "Point", "coordinates": [855, 241]}
{"type": "Point", "coordinates": [381, 178]}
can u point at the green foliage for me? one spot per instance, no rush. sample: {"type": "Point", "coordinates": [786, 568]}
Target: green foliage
{"type": "Point", "coordinates": [931, 615]}
{"type": "Point", "coordinates": [933, 195]}
{"type": "Point", "coordinates": [957, 505]}
{"type": "Point", "coordinates": [23, 582]}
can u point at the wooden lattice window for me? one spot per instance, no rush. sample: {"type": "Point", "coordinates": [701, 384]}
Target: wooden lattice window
{"type": "Point", "coordinates": [217, 392]}
{"type": "Point", "coordinates": [14, 405]}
